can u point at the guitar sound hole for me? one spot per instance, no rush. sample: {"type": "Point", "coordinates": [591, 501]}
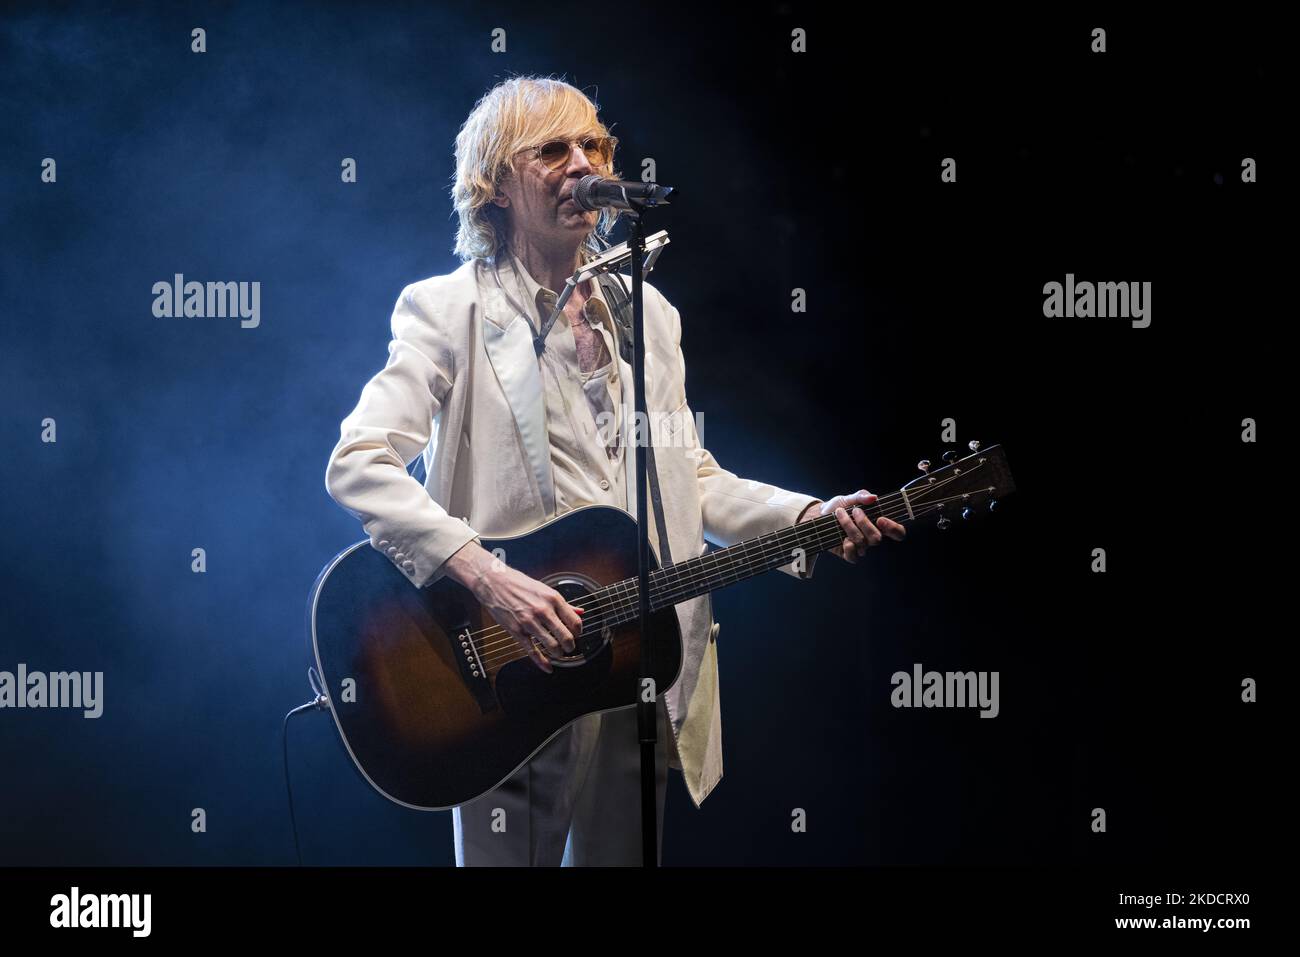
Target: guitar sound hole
{"type": "Point", "coordinates": [594, 635]}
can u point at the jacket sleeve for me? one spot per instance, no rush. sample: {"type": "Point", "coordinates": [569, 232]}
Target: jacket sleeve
{"type": "Point", "coordinates": [389, 427]}
{"type": "Point", "coordinates": [736, 509]}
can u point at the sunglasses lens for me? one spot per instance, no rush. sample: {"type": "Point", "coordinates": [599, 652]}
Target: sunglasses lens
{"type": "Point", "coordinates": [599, 150]}
{"type": "Point", "coordinates": [554, 154]}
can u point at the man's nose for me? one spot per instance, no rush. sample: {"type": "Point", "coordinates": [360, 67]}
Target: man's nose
{"type": "Point", "coordinates": [578, 161]}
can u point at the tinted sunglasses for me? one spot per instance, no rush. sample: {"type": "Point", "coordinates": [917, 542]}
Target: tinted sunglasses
{"type": "Point", "coordinates": [555, 155]}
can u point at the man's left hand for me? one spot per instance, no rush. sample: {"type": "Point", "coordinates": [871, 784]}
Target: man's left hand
{"type": "Point", "coordinates": [859, 531]}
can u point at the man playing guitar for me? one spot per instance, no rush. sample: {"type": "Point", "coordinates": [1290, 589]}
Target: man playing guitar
{"type": "Point", "coordinates": [511, 439]}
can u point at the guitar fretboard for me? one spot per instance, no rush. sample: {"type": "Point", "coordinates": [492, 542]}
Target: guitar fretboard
{"type": "Point", "coordinates": [684, 580]}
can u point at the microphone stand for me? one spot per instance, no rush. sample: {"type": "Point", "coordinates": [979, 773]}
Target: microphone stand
{"type": "Point", "coordinates": [636, 249]}
{"type": "Point", "coordinates": [646, 716]}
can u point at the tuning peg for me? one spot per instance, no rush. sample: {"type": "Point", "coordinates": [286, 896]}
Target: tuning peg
{"type": "Point", "coordinates": [950, 456]}
{"type": "Point", "coordinates": [924, 465]}
{"type": "Point", "coordinates": [943, 523]}
{"type": "Point", "coordinates": [967, 512]}
{"type": "Point", "coordinates": [973, 445]}
{"type": "Point", "coordinates": [993, 503]}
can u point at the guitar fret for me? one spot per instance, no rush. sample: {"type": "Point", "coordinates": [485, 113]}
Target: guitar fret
{"type": "Point", "coordinates": [684, 580]}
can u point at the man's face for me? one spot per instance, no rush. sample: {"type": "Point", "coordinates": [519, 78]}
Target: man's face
{"type": "Point", "coordinates": [536, 197]}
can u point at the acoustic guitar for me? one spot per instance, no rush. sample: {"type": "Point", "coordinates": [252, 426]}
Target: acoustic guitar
{"type": "Point", "coordinates": [437, 704]}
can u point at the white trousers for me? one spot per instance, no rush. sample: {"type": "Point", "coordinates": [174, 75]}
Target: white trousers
{"type": "Point", "coordinates": [577, 803]}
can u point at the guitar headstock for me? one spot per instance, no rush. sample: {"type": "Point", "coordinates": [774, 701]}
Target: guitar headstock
{"type": "Point", "coordinates": [961, 487]}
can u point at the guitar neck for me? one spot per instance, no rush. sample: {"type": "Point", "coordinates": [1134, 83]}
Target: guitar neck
{"type": "Point", "coordinates": [706, 573]}
{"type": "Point", "coordinates": [960, 486]}
{"type": "Point", "coordinates": [682, 581]}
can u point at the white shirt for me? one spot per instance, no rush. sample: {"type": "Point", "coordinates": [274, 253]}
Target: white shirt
{"type": "Point", "coordinates": [582, 408]}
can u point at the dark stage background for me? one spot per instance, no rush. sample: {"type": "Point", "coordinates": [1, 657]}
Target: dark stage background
{"type": "Point", "coordinates": [818, 170]}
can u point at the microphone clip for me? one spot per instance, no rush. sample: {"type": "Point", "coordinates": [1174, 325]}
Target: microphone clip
{"type": "Point", "coordinates": [611, 260]}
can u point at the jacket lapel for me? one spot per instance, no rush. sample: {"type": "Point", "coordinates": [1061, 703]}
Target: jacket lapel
{"type": "Point", "coordinates": [629, 453]}
{"type": "Point", "coordinates": [508, 338]}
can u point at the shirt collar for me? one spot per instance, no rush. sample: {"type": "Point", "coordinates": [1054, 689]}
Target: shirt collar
{"type": "Point", "coordinates": [594, 309]}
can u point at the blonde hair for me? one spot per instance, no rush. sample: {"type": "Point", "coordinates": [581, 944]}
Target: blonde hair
{"type": "Point", "coordinates": [517, 113]}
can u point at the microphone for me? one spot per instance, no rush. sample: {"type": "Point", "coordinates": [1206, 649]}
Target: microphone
{"type": "Point", "coordinates": [592, 192]}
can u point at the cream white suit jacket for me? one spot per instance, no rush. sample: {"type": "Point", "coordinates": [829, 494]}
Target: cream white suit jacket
{"type": "Point", "coordinates": [462, 386]}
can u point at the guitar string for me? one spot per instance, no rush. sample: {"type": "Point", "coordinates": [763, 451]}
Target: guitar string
{"type": "Point", "coordinates": [671, 585]}
{"type": "Point", "coordinates": [665, 583]}
{"type": "Point", "coordinates": [784, 537]}
{"type": "Point", "coordinates": [513, 652]}
{"type": "Point", "coordinates": [507, 649]}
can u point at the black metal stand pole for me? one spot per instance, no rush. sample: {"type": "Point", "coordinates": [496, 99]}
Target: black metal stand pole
{"type": "Point", "coordinates": [648, 694]}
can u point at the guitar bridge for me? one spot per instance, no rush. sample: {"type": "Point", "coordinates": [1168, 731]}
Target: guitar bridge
{"type": "Point", "coordinates": [472, 670]}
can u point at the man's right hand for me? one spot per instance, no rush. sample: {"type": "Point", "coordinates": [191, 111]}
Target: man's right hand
{"type": "Point", "coordinates": [525, 607]}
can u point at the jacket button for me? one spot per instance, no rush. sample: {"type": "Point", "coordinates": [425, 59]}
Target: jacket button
{"type": "Point", "coordinates": [383, 544]}
{"type": "Point", "coordinates": [399, 558]}
{"type": "Point", "coordinates": [409, 566]}
{"type": "Point", "coordinates": [392, 550]}
{"type": "Point", "coordinates": [604, 484]}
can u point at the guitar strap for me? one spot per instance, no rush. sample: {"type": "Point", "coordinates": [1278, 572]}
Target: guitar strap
{"type": "Point", "coordinates": [612, 286]}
